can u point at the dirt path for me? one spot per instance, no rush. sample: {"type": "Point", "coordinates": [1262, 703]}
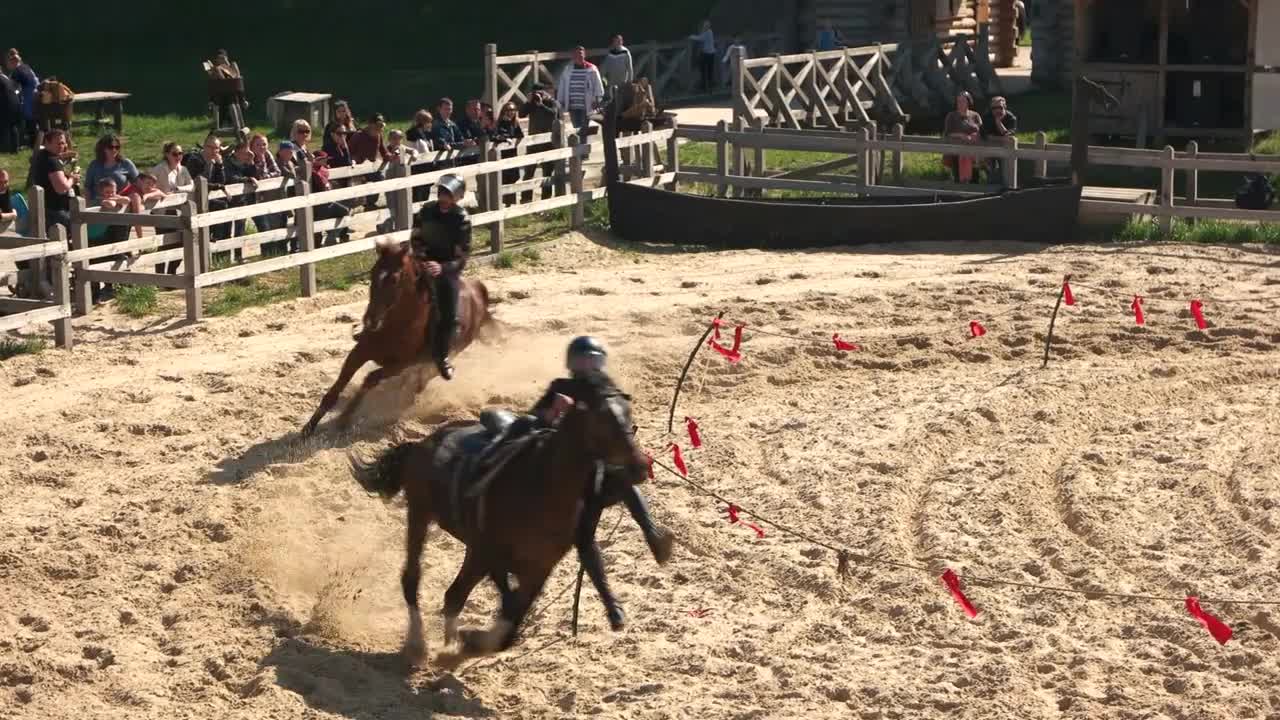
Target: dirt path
{"type": "Point", "coordinates": [170, 548]}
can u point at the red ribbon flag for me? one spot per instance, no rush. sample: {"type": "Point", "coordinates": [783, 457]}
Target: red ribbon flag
{"type": "Point", "coordinates": [1197, 312]}
{"type": "Point", "coordinates": [841, 344]}
{"type": "Point", "coordinates": [1138, 317]}
{"type": "Point", "coordinates": [678, 459]}
{"type": "Point", "coordinates": [1218, 629]}
{"type": "Point", "coordinates": [976, 330]}
{"type": "Point", "coordinates": [952, 582]}
{"type": "Point", "coordinates": [732, 356]}
{"type": "Point", "coordinates": [694, 438]}
{"type": "Point", "coordinates": [737, 338]}
{"type": "Point", "coordinates": [734, 520]}
{"type": "Point", "coordinates": [1067, 297]}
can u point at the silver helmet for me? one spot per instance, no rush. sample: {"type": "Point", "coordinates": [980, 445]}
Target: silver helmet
{"type": "Point", "coordinates": [452, 184]}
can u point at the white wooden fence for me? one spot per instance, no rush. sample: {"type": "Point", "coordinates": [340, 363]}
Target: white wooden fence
{"type": "Point", "coordinates": [46, 253]}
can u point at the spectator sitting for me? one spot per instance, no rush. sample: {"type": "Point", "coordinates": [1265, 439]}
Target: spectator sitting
{"type": "Point", "coordinates": [285, 157]}
{"type": "Point", "coordinates": [170, 174]}
{"type": "Point", "coordinates": [368, 146]}
{"type": "Point", "coordinates": [51, 170]}
{"type": "Point", "coordinates": [221, 68]}
{"type": "Point", "coordinates": [22, 74]}
{"type": "Point", "coordinates": [446, 133]}
{"type": "Point", "coordinates": [998, 123]}
{"type": "Point", "coordinates": [337, 135]}
{"type": "Point", "coordinates": [108, 161]}
{"type": "Point", "coordinates": [145, 189]}
{"type": "Point", "coordinates": [299, 136]}
{"type": "Point", "coordinates": [617, 69]}
{"type": "Point", "coordinates": [264, 162]}
{"type": "Point", "coordinates": [12, 126]}
{"type": "Point", "coordinates": [12, 204]}
{"type": "Point", "coordinates": [580, 89]}
{"type": "Point", "coordinates": [397, 147]}
{"type": "Point", "coordinates": [420, 134]}
{"type": "Point", "coordinates": [208, 164]}
{"type": "Point", "coordinates": [472, 122]}
{"type": "Point", "coordinates": [320, 183]}
{"type": "Point", "coordinates": [962, 125]}
{"type": "Point", "coordinates": [109, 200]}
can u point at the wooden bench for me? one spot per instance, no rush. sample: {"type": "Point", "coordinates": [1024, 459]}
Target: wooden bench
{"type": "Point", "coordinates": [103, 100]}
{"type": "Point", "coordinates": [1139, 198]}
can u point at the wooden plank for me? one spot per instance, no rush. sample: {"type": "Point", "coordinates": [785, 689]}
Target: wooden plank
{"type": "Point", "coordinates": [287, 261]}
{"type": "Point", "coordinates": [126, 277]}
{"type": "Point", "coordinates": [493, 216]}
{"type": "Point", "coordinates": [165, 222]}
{"type": "Point", "coordinates": [12, 242]}
{"type": "Point", "coordinates": [47, 314]}
{"type": "Point", "coordinates": [143, 243]}
{"type": "Point", "coordinates": [10, 305]}
{"type": "Point", "coordinates": [34, 251]}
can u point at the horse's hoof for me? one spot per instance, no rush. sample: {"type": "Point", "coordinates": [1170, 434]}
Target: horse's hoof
{"type": "Point", "coordinates": [617, 619]}
{"type": "Point", "coordinates": [662, 546]}
{"type": "Point", "coordinates": [450, 660]}
{"type": "Point", "coordinates": [415, 653]}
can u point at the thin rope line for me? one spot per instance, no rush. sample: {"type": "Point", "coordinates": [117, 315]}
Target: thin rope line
{"type": "Point", "coordinates": [1174, 298]}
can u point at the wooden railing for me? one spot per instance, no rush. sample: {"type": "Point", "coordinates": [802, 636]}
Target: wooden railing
{"type": "Point", "coordinates": [46, 254]}
{"type": "Point", "coordinates": [671, 68]}
{"type": "Point", "coordinates": [861, 84]}
{"type": "Point", "coordinates": [879, 159]}
{"type": "Point", "coordinates": [183, 233]}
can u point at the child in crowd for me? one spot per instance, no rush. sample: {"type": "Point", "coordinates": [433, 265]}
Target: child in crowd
{"type": "Point", "coordinates": [143, 189]}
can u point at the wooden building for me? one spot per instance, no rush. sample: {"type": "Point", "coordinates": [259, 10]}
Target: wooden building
{"type": "Point", "coordinates": [1179, 68]}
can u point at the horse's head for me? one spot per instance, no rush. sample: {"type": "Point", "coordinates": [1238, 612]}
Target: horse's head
{"type": "Point", "coordinates": [602, 413]}
{"type": "Point", "coordinates": [392, 276]}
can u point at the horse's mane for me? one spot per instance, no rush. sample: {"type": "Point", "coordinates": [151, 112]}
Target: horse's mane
{"type": "Point", "coordinates": [598, 383]}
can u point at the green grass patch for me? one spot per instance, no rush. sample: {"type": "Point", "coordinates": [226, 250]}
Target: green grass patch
{"type": "Point", "coordinates": [137, 300]}
{"type": "Point", "coordinates": [1203, 232]}
{"type": "Point", "coordinates": [10, 347]}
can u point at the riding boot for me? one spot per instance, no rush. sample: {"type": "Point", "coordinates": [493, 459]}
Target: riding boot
{"type": "Point", "coordinates": [658, 540]}
{"type": "Point", "coordinates": [444, 338]}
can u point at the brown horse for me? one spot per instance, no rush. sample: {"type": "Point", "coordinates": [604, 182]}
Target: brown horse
{"type": "Point", "coordinates": [524, 520]}
{"type": "Point", "coordinates": [395, 323]}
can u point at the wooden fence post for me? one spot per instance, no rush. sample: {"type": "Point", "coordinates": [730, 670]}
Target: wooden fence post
{"type": "Point", "coordinates": [899, 165]}
{"type": "Point", "coordinates": [400, 202]}
{"type": "Point", "coordinates": [559, 140]}
{"type": "Point", "coordinates": [205, 234]}
{"type": "Point", "coordinates": [493, 183]}
{"type": "Point", "coordinates": [875, 157]}
{"type": "Point", "coordinates": [62, 331]}
{"type": "Point", "coordinates": [192, 247]}
{"type": "Point", "coordinates": [1193, 177]}
{"type": "Point", "coordinates": [739, 126]}
{"type": "Point", "coordinates": [722, 159]}
{"type": "Point", "coordinates": [575, 183]}
{"type": "Point", "coordinates": [1166, 190]}
{"type": "Point", "coordinates": [1011, 162]}
{"type": "Point", "coordinates": [481, 181]}
{"type": "Point", "coordinates": [646, 151]}
{"type": "Point", "coordinates": [304, 227]}
{"type": "Point", "coordinates": [865, 170]}
{"type": "Point", "coordinates": [1042, 165]}
{"type": "Point", "coordinates": [490, 92]}
{"type": "Point", "coordinates": [80, 241]}
{"type": "Point", "coordinates": [759, 164]}
{"type": "Point", "coordinates": [673, 155]}
{"type": "Point", "coordinates": [736, 68]}
{"type": "Point", "coordinates": [38, 226]}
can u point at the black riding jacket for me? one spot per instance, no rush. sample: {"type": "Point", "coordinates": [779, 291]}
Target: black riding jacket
{"type": "Point", "coordinates": [444, 237]}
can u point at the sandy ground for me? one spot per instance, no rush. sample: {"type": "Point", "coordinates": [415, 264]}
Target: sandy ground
{"type": "Point", "coordinates": [170, 549]}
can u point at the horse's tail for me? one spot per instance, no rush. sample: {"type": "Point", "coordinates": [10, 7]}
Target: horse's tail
{"type": "Point", "coordinates": [384, 476]}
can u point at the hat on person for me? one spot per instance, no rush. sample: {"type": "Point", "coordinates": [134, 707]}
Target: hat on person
{"type": "Point", "coordinates": [287, 145]}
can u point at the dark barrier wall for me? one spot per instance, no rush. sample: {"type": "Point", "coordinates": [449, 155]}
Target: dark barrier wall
{"type": "Point", "coordinates": [384, 55]}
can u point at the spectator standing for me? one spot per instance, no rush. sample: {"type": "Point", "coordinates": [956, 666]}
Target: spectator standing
{"type": "Point", "coordinates": [508, 130]}
{"type": "Point", "coordinates": [829, 38]}
{"type": "Point", "coordinates": [109, 161]}
{"type": "Point", "coordinates": [368, 146]}
{"type": "Point", "coordinates": [962, 125]}
{"type": "Point", "coordinates": [240, 169]}
{"type": "Point", "coordinates": [12, 125]}
{"type": "Point", "coordinates": [171, 175]}
{"type": "Point", "coordinates": [706, 44]}
{"type": "Point", "coordinates": [542, 110]}
{"type": "Point", "coordinates": [338, 133]}
{"type": "Point", "coordinates": [299, 136]}
{"type": "Point", "coordinates": [10, 202]}
{"type": "Point", "coordinates": [617, 68]}
{"type": "Point", "coordinates": [208, 164]}
{"type": "Point", "coordinates": [320, 183]}
{"type": "Point", "coordinates": [998, 123]}
{"type": "Point", "coordinates": [580, 89]}
{"type": "Point", "coordinates": [734, 47]}
{"type": "Point", "coordinates": [21, 73]}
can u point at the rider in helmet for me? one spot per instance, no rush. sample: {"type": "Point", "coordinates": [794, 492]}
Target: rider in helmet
{"type": "Point", "coordinates": [586, 354]}
{"type": "Point", "coordinates": [444, 242]}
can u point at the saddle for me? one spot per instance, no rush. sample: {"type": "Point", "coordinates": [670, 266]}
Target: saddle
{"type": "Point", "coordinates": [468, 458]}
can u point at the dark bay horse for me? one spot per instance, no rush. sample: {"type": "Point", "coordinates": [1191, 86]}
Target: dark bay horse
{"type": "Point", "coordinates": [530, 509]}
{"type": "Point", "coordinates": [395, 324]}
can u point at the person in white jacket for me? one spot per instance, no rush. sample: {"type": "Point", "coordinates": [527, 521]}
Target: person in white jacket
{"type": "Point", "coordinates": [580, 89]}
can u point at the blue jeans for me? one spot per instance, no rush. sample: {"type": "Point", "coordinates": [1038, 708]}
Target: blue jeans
{"type": "Point", "coordinates": [581, 118]}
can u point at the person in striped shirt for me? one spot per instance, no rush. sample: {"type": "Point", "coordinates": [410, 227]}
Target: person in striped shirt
{"type": "Point", "coordinates": [580, 89]}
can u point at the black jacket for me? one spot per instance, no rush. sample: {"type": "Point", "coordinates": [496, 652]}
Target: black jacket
{"type": "Point", "coordinates": [559, 386]}
{"type": "Point", "coordinates": [542, 115]}
{"type": "Point", "coordinates": [443, 237]}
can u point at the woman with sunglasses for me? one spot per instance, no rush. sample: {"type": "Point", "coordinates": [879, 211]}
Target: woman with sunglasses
{"type": "Point", "coordinates": [171, 175]}
{"type": "Point", "coordinates": [108, 162]}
